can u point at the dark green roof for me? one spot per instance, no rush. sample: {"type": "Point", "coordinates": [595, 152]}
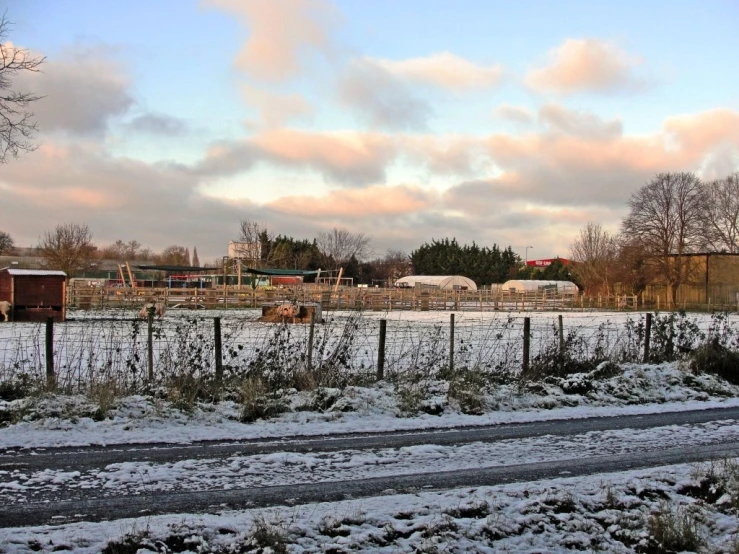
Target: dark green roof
{"type": "Point", "coordinates": [281, 271]}
{"type": "Point", "coordinates": [176, 268]}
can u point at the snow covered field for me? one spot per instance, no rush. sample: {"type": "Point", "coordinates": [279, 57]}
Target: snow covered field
{"type": "Point", "coordinates": [619, 512]}
{"type": "Point", "coordinates": [110, 345]}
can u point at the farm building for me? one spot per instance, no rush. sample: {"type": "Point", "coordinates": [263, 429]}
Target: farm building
{"type": "Point", "coordinates": [532, 285]}
{"type": "Point", "coordinates": [443, 282]}
{"type": "Point", "coordinates": [35, 294]}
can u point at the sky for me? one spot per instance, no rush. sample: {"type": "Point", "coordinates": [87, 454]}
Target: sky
{"type": "Point", "coordinates": [508, 123]}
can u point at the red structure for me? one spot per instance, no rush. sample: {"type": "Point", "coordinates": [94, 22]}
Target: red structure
{"type": "Point", "coordinates": [34, 294]}
{"type": "Point", "coordinates": [547, 261]}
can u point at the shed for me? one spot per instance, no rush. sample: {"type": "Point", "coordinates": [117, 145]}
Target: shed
{"type": "Point", "coordinates": [443, 282]}
{"type": "Point", "coordinates": [35, 294]}
{"type": "Point", "coordinates": [533, 285]}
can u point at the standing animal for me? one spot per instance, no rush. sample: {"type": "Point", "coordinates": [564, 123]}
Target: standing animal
{"type": "Point", "coordinates": [157, 307]}
{"type": "Point", "coordinates": [5, 309]}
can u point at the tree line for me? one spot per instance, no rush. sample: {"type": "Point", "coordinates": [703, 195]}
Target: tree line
{"type": "Point", "coordinates": [672, 215]}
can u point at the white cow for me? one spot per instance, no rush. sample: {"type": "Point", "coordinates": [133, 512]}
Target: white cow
{"type": "Point", "coordinates": [157, 306]}
{"type": "Point", "coordinates": [5, 308]}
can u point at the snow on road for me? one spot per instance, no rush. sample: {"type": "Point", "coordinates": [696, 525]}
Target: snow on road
{"type": "Point", "coordinates": [605, 513]}
{"type": "Point", "coordinates": [285, 468]}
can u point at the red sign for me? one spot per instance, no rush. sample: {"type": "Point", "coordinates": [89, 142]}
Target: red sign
{"type": "Point", "coordinates": [547, 261]}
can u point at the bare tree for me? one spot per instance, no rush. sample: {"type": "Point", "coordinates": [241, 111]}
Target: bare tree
{"type": "Point", "coordinates": [720, 214]}
{"type": "Point", "coordinates": [174, 255]}
{"type": "Point", "coordinates": [121, 250]}
{"type": "Point", "coordinates": [665, 220]}
{"type": "Point", "coordinates": [16, 121]}
{"type": "Point", "coordinates": [67, 247]}
{"type": "Point", "coordinates": [595, 251]}
{"type": "Point", "coordinates": [253, 245]}
{"type": "Point", "coordinates": [341, 245]}
{"type": "Point", "coordinates": [6, 243]}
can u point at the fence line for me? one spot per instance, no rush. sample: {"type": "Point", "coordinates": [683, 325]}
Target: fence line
{"type": "Point", "coordinates": [78, 354]}
{"type": "Point", "coordinates": [344, 298]}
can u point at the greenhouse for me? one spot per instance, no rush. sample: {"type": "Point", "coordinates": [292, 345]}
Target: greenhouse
{"type": "Point", "coordinates": [532, 285]}
{"type": "Point", "coordinates": [442, 282]}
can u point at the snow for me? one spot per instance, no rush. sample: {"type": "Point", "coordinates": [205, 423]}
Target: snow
{"type": "Point", "coordinates": [607, 512]}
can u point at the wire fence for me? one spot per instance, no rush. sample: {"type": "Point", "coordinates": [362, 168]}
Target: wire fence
{"type": "Point", "coordinates": [116, 347]}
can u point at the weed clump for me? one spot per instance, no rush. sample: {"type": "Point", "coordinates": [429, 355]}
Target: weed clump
{"type": "Point", "coordinates": [675, 529]}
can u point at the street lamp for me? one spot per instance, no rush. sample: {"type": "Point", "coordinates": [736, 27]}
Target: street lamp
{"type": "Point", "coordinates": [526, 255]}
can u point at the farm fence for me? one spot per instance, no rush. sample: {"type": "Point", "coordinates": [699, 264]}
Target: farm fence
{"type": "Point", "coordinates": [349, 347]}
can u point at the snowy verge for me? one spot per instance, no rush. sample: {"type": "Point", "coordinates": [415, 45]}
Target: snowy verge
{"type": "Point", "coordinates": [53, 421]}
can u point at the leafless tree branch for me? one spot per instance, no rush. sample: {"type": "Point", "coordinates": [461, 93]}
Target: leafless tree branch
{"type": "Point", "coordinates": [17, 125]}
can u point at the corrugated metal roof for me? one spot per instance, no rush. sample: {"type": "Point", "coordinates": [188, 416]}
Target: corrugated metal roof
{"type": "Point", "coordinates": [36, 272]}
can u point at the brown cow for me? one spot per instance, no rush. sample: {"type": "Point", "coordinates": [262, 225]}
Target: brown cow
{"type": "Point", "coordinates": [5, 309]}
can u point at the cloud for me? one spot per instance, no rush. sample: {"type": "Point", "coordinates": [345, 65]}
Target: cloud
{"type": "Point", "coordinates": [444, 70]}
{"type": "Point", "coordinates": [704, 130]}
{"type": "Point", "coordinates": [517, 114]}
{"type": "Point", "coordinates": [348, 158]}
{"type": "Point", "coordinates": [578, 123]}
{"type": "Point", "coordinates": [358, 203]}
{"type": "Point", "coordinates": [83, 89]}
{"type": "Point", "coordinates": [276, 109]}
{"type": "Point", "coordinates": [158, 124]}
{"type": "Point", "coordinates": [283, 34]}
{"type": "Point", "coordinates": [382, 99]}
{"type": "Point", "coordinates": [585, 65]}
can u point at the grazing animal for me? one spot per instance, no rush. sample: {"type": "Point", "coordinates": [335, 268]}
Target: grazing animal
{"type": "Point", "coordinates": [157, 307]}
{"type": "Point", "coordinates": [5, 307]}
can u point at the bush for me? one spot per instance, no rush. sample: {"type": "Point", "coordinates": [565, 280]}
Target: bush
{"type": "Point", "coordinates": [711, 357]}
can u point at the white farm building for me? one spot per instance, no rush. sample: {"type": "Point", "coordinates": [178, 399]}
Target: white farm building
{"type": "Point", "coordinates": [443, 282]}
{"type": "Point", "coordinates": [532, 285]}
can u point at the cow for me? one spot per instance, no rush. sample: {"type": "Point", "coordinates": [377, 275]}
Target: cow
{"type": "Point", "coordinates": [155, 306]}
{"type": "Point", "coordinates": [5, 309]}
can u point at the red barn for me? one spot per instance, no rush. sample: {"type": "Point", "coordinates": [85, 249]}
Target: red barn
{"type": "Point", "coordinates": [35, 294]}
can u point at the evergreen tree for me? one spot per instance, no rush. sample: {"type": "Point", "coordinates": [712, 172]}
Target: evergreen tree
{"type": "Point", "coordinates": [483, 265]}
{"type": "Point", "coordinates": [195, 260]}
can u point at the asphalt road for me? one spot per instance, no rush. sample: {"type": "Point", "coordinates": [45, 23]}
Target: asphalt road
{"type": "Point", "coordinates": [95, 508]}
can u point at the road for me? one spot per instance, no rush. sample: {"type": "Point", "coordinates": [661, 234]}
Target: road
{"type": "Point", "coordinates": [56, 485]}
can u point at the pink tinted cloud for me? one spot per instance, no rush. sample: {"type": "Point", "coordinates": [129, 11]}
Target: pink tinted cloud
{"type": "Point", "coordinates": [356, 158]}
{"type": "Point", "coordinates": [276, 109]}
{"type": "Point", "coordinates": [585, 65]}
{"type": "Point", "coordinates": [281, 34]}
{"type": "Point", "coordinates": [375, 201]}
{"type": "Point", "coordinates": [699, 132]}
{"type": "Point", "coordinates": [444, 70]}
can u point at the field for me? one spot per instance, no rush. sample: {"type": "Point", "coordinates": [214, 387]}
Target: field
{"type": "Point", "coordinates": [594, 365]}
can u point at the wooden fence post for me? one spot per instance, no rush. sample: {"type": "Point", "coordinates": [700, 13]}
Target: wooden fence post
{"type": "Point", "coordinates": [50, 377]}
{"type": "Point", "coordinates": [218, 347]}
{"type": "Point", "coordinates": [561, 336]}
{"type": "Point", "coordinates": [526, 342]}
{"type": "Point", "coordinates": [451, 343]}
{"type": "Point", "coordinates": [647, 336]}
{"type": "Point", "coordinates": [309, 361]}
{"type": "Point", "coordinates": [150, 344]}
{"type": "Point", "coordinates": [381, 351]}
